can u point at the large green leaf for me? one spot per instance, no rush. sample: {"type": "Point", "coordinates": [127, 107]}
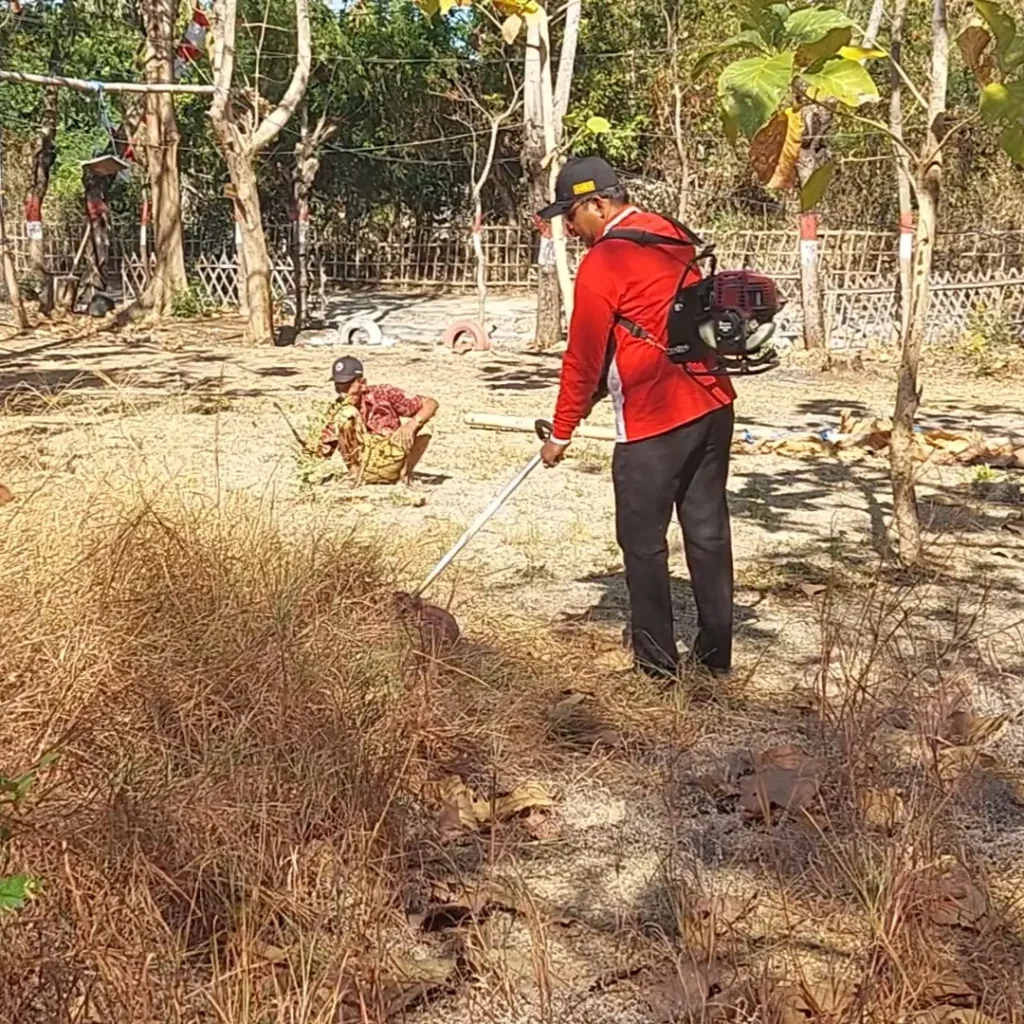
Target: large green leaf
{"type": "Point", "coordinates": [730, 122]}
{"type": "Point", "coordinates": [755, 87]}
{"type": "Point", "coordinates": [828, 46]}
{"type": "Point", "coordinates": [1003, 27]}
{"type": "Point", "coordinates": [1003, 102]}
{"type": "Point", "coordinates": [764, 17]}
{"type": "Point", "coordinates": [813, 190]}
{"type": "Point", "coordinates": [747, 39]}
{"type": "Point", "coordinates": [1012, 141]}
{"type": "Point", "coordinates": [15, 890]}
{"type": "Point", "coordinates": [814, 23]}
{"type": "Point", "coordinates": [843, 80]}
{"type": "Point", "coordinates": [1009, 41]}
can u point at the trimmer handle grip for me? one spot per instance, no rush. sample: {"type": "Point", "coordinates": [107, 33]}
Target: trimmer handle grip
{"type": "Point", "coordinates": [544, 429]}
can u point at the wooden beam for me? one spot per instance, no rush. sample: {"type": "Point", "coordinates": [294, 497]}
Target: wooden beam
{"type": "Point", "coordinates": [82, 85]}
{"type": "Point", "coordinates": [525, 425]}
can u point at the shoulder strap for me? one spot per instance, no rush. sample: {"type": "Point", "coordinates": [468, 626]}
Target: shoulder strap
{"type": "Point", "coordinates": [642, 237]}
{"type": "Point", "coordinates": [690, 237]}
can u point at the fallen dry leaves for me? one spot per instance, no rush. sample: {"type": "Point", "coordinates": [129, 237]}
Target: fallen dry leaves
{"type": "Point", "coordinates": [785, 778]}
{"type": "Point", "coordinates": [683, 992]}
{"type": "Point", "coordinates": [462, 810]}
{"type": "Point", "coordinates": [882, 808]}
{"type": "Point", "coordinates": [872, 436]}
{"type": "Point", "coordinates": [398, 987]}
{"type": "Point", "coordinates": [964, 728]}
{"type": "Point", "coordinates": [950, 896]}
{"type": "Point", "coordinates": [947, 1014]}
{"type": "Point", "coordinates": [825, 999]}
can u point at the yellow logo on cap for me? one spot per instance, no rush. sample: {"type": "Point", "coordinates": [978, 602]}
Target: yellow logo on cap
{"type": "Point", "coordinates": [583, 186]}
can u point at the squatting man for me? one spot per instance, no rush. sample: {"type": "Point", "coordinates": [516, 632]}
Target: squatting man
{"type": "Point", "coordinates": [377, 429]}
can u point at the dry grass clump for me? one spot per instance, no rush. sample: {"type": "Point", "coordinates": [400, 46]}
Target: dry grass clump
{"type": "Point", "coordinates": [223, 835]}
{"type": "Point", "coordinates": [267, 805]}
{"type": "Point", "coordinates": [874, 881]}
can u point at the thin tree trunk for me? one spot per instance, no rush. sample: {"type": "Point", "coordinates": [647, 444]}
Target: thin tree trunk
{"type": "Point", "coordinates": [548, 327]}
{"type": "Point", "coordinates": [9, 272]}
{"type": "Point", "coordinates": [240, 149]}
{"type": "Point", "coordinates": [567, 65]}
{"type": "Point", "coordinates": [254, 266]}
{"type": "Point", "coordinates": [814, 153]}
{"type": "Point", "coordinates": [554, 162]}
{"type": "Point", "coordinates": [874, 23]}
{"type": "Point", "coordinates": [42, 163]}
{"type": "Point", "coordinates": [97, 213]}
{"type": "Point", "coordinates": [908, 396]}
{"type": "Point", "coordinates": [168, 278]}
{"type": "Point", "coordinates": [679, 142]}
{"type": "Point", "coordinates": [477, 240]}
{"type": "Point", "coordinates": [903, 176]}
{"type": "Point", "coordinates": [307, 163]}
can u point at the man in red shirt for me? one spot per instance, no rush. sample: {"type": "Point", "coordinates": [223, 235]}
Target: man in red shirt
{"type": "Point", "coordinates": [673, 422]}
{"type": "Point", "coordinates": [383, 412]}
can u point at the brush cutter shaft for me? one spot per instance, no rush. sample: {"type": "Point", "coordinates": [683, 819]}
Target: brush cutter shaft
{"type": "Point", "coordinates": [544, 432]}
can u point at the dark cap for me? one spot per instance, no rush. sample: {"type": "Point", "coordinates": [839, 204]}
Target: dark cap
{"type": "Point", "coordinates": [577, 180]}
{"type": "Point", "coordinates": [346, 369]}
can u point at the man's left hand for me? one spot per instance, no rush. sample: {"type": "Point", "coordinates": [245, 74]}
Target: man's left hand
{"type": "Point", "coordinates": [552, 454]}
{"type": "Point", "coordinates": [406, 434]}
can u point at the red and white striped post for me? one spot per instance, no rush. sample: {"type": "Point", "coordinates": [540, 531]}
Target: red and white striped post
{"type": "Point", "coordinates": [810, 291]}
{"type": "Point", "coordinates": [906, 269]}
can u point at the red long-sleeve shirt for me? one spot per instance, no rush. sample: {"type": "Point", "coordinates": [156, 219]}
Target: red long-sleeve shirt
{"type": "Point", "coordinates": [651, 395]}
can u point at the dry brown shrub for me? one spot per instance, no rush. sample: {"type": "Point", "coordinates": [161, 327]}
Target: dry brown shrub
{"type": "Point", "coordinates": [223, 836]}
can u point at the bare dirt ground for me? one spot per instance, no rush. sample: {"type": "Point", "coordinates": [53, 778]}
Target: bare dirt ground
{"type": "Point", "coordinates": [189, 409]}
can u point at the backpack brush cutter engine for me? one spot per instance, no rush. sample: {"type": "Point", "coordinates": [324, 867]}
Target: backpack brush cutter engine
{"type": "Point", "coordinates": [721, 324]}
{"type": "Point", "coordinates": [726, 321]}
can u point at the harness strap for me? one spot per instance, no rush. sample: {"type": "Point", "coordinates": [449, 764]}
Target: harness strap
{"type": "Point", "coordinates": [634, 328]}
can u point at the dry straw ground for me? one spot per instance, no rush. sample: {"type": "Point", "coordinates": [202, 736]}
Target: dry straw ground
{"type": "Point", "coordinates": [265, 807]}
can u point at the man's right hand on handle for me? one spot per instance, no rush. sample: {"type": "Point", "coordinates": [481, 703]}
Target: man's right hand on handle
{"type": "Point", "coordinates": [552, 453]}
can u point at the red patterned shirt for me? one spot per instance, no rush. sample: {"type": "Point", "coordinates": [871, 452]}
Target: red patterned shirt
{"type": "Point", "coordinates": [382, 408]}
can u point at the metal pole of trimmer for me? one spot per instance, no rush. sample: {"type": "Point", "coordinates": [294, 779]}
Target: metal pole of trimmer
{"type": "Point", "coordinates": [543, 429]}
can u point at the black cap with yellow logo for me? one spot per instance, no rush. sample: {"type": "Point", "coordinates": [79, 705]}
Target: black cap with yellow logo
{"type": "Point", "coordinates": [580, 179]}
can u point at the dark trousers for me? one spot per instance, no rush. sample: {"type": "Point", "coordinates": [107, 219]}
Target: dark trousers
{"type": "Point", "coordinates": [686, 470]}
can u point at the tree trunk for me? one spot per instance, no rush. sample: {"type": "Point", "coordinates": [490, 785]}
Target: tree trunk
{"type": "Point", "coordinates": [554, 162]}
{"type": "Point", "coordinates": [97, 214]}
{"type": "Point", "coordinates": [307, 163]}
{"type": "Point", "coordinates": [908, 396]}
{"type": "Point", "coordinates": [254, 267]}
{"type": "Point", "coordinates": [903, 178]}
{"type": "Point", "coordinates": [548, 328]}
{"type": "Point", "coordinates": [9, 272]}
{"type": "Point", "coordinates": [42, 163]}
{"type": "Point", "coordinates": [567, 64]}
{"type": "Point", "coordinates": [168, 276]}
{"type": "Point", "coordinates": [670, 13]}
{"type": "Point", "coordinates": [240, 149]}
{"type": "Point", "coordinates": [814, 153]}
{"type": "Point", "coordinates": [874, 23]}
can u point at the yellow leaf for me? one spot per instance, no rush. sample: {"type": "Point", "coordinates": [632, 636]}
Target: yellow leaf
{"type": "Point", "coordinates": [510, 28]}
{"type": "Point", "coordinates": [446, 5]}
{"type": "Point", "coordinates": [860, 54]}
{"type": "Point", "coordinates": [775, 149]}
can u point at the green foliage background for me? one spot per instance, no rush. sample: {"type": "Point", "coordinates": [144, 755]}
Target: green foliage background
{"type": "Point", "coordinates": [388, 77]}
